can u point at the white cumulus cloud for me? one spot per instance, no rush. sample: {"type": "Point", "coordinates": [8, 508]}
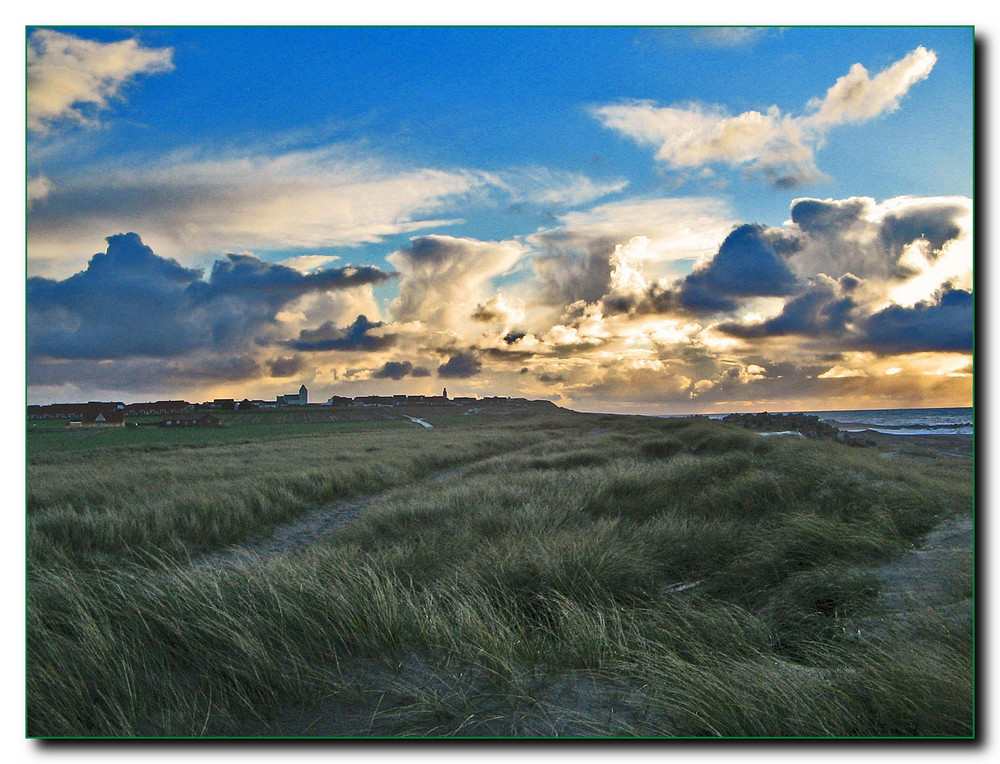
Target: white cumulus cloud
{"type": "Point", "coordinates": [70, 79]}
{"type": "Point", "coordinates": [779, 146]}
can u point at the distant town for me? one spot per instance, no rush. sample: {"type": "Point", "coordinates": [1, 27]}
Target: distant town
{"type": "Point", "coordinates": [185, 414]}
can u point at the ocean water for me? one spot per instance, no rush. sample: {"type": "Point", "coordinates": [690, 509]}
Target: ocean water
{"type": "Point", "coordinates": [953, 421]}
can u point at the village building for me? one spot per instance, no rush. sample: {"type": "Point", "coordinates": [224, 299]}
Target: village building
{"type": "Point", "coordinates": [95, 417]}
{"type": "Point", "coordinates": [373, 400]}
{"type": "Point", "coordinates": [158, 407]}
{"type": "Point", "coordinates": [301, 398]}
{"type": "Point", "coordinates": [70, 410]}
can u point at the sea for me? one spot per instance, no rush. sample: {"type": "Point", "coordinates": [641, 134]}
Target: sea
{"type": "Point", "coordinates": [948, 421]}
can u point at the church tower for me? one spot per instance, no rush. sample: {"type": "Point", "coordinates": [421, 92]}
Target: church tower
{"type": "Point", "coordinates": [444, 393]}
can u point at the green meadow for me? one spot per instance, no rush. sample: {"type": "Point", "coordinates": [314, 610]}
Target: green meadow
{"type": "Point", "coordinates": [554, 574]}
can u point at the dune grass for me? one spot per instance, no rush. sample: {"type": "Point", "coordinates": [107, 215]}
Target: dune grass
{"type": "Point", "coordinates": [582, 576]}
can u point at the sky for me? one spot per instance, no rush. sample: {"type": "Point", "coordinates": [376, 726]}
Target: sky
{"type": "Point", "coordinates": [629, 219]}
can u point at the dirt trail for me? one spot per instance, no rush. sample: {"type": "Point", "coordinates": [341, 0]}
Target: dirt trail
{"type": "Point", "coordinates": [930, 586]}
{"type": "Point", "coordinates": [302, 531]}
{"type": "Point", "coordinates": [290, 537]}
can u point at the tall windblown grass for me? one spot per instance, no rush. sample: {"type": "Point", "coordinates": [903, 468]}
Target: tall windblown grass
{"type": "Point", "coordinates": [564, 580]}
{"type": "Point", "coordinates": [181, 501]}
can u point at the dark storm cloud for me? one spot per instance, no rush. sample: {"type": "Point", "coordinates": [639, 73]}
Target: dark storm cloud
{"type": "Point", "coordinates": [511, 353]}
{"type": "Point", "coordinates": [823, 309]}
{"type": "Point", "coordinates": [131, 302]}
{"type": "Point", "coordinates": [937, 223]}
{"type": "Point", "coordinates": [460, 365]}
{"type": "Point", "coordinates": [746, 265]}
{"type": "Point", "coordinates": [127, 302]}
{"type": "Point", "coordinates": [828, 310]}
{"type": "Point", "coordinates": [945, 325]}
{"type": "Point", "coordinates": [399, 369]}
{"type": "Point", "coordinates": [818, 216]}
{"type": "Point", "coordinates": [252, 278]}
{"type": "Point", "coordinates": [285, 367]}
{"type": "Point", "coordinates": [328, 336]}
{"type": "Point", "coordinates": [393, 370]}
{"type": "Point", "coordinates": [614, 304]}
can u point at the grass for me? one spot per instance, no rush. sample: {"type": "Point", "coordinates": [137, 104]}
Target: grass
{"type": "Point", "coordinates": [569, 576]}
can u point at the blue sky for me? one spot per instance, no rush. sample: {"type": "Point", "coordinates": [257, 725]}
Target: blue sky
{"type": "Point", "coordinates": [619, 218]}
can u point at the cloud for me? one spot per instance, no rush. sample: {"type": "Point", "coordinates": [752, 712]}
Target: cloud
{"type": "Point", "coordinates": [461, 365]}
{"type": "Point", "coordinates": [191, 204]}
{"type": "Point", "coordinates": [399, 369]}
{"type": "Point", "coordinates": [131, 302]}
{"type": "Point", "coordinates": [841, 372]}
{"type": "Point", "coordinates": [781, 147]}
{"type": "Point", "coordinates": [153, 376]}
{"type": "Point", "coordinates": [37, 189]}
{"type": "Point", "coordinates": [944, 325]}
{"type": "Point", "coordinates": [568, 274]}
{"type": "Point", "coordinates": [935, 222]}
{"type": "Point", "coordinates": [497, 310]}
{"type": "Point", "coordinates": [307, 263]}
{"type": "Point", "coordinates": [874, 240]}
{"type": "Point", "coordinates": [842, 314]}
{"type": "Point", "coordinates": [553, 188]}
{"type": "Point", "coordinates": [274, 284]}
{"type": "Point", "coordinates": [354, 337]}
{"type": "Point", "coordinates": [757, 319]}
{"type": "Point", "coordinates": [285, 367]}
{"type": "Point", "coordinates": [746, 265]}
{"type": "Point", "coordinates": [691, 136]}
{"type": "Point", "coordinates": [824, 308]}
{"type": "Point", "coordinates": [677, 228]}
{"type": "Point", "coordinates": [70, 80]}
{"type": "Point", "coordinates": [856, 97]}
{"type": "Point", "coordinates": [196, 201]}
{"type": "Point", "coordinates": [443, 278]}
{"type": "Point", "coordinates": [574, 262]}
{"type": "Point", "coordinates": [728, 37]}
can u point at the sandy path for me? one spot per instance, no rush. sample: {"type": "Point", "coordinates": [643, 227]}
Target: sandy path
{"type": "Point", "coordinates": [302, 531]}
{"type": "Point", "coordinates": [292, 536]}
{"type": "Point", "coordinates": [927, 587]}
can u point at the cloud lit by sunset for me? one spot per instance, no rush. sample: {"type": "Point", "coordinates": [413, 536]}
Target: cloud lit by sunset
{"type": "Point", "coordinates": [623, 223]}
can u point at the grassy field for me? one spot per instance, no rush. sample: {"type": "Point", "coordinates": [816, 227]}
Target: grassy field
{"type": "Point", "coordinates": [551, 575]}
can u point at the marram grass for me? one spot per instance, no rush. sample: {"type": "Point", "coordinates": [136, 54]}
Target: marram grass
{"type": "Point", "coordinates": [584, 576]}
